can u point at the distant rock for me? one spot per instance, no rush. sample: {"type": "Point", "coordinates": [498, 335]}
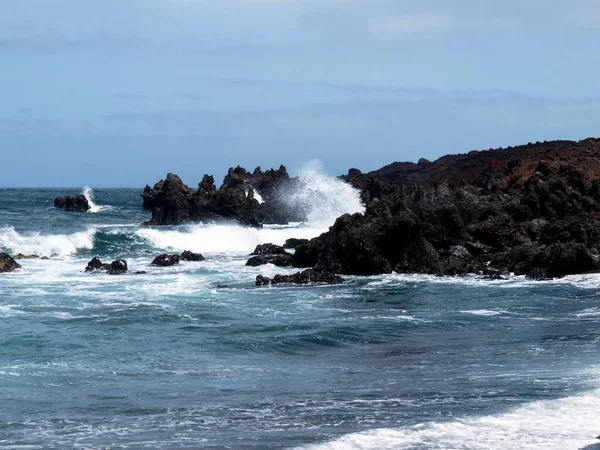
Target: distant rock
{"type": "Point", "coordinates": [190, 256]}
{"type": "Point", "coordinates": [7, 263]}
{"type": "Point", "coordinates": [77, 203]}
{"type": "Point", "coordinates": [22, 256]}
{"type": "Point", "coordinates": [117, 267]}
{"type": "Point", "coordinates": [308, 276]}
{"type": "Point", "coordinates": [166, 260]}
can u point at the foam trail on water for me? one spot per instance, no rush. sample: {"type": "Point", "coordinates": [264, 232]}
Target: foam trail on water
{"type": "Point", "coordinates": [566, 424]}
{"type": "Point", "coordinates": [321, 197]}
{"type": "Point", "coordinates": [223, 238]}
{"type": "Point", "coordinates": [45, 245]}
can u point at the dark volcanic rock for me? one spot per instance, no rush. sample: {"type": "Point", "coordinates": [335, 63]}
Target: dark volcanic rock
{"type": "Point", "coordinates": [277, 260]}
{"type": "Point", "coordinates": [22, 256]}
{"type": "Point", "coordinates": [77, 203]}
{"type": "Point", "coordinates": [165, 260]}
{"type": "Point", "coordinates": [316, 275]}
{"type": "Point", "coordinates": [191, 256]}
{"type": "Point", "coordinates": [172, 202]}
{"type": "Point", "coordinates": [293, 243]}
{"type": "Point", "coordinates": [531, 210]}
{"type": "Point", "coordinates": [114, 268]}
{"type": "Point", "coordinates": [7, 263]}
{"type": "Point", "coordinates": [117, 267]}
{"type": "Point", "coordinates": [268, 249]}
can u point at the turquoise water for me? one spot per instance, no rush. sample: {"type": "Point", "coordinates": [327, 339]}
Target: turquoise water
{"type": "Point", "coordinates": [168, 360]}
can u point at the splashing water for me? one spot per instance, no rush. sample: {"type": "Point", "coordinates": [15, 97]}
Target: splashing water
{"type": "Point", "coordinates": [321, 197]}
{"type": "Point", "coordinates": [45, 245]}
{"type": "Point", "coordinates": [89, 195]}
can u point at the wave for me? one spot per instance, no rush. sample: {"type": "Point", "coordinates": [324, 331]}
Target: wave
{"type": "Point", "coordinates": [568, 423]}
{"type": "Point", "coordinates": [322, 198]}
{"type": "Point", "coordinates": [223, 238]}
{"type": "Point", "coordinates": [88, 193]}
{"type": "Point", "coordinates": [46, 245]}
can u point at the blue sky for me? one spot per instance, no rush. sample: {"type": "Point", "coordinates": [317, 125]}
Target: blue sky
{"type": "Point", "coordinates": [119, 92]}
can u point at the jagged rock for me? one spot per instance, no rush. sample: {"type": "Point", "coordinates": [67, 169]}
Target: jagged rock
{"type": "Point", "coordinates": [117, 267]}
{"type": "Point", "coordinates": [77, 203]}
{"type": "Point", "coordinates": [307, 276]}
{"type": "Point", "coordinates": [165, 260]}
{"type": "Point", "coordinates": [114, 268]}
{"type": "Point", "coordinates": [190, 256]}
{"type": "Point", "coordinates": [458, 261]}
{"type": "Point", "coordinates": [294, 242]}
{"type": "Point", "coordinates": [7, 263]}
{"type": "Point", "coordinates": [268, 249]}
{"type": "Point", "coordinates": [172, 202]}
{"type": "Point", "coordinates": [284, 260]}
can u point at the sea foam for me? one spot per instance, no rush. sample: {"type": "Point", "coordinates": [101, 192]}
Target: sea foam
{"type": "Point", "coordinates": [45, 245]}
{"type": "Point", "coordinates": [568, 423]}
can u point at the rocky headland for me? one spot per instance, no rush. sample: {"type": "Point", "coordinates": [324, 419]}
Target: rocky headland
{"type": "Point", "coordinates": [530, 210]}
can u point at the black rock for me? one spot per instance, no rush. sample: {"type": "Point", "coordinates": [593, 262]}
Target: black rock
{"type": "Point", "coordinates": [293, 242]}
{"type": "Point", "coordinates": [268, 249]}
{"type": "Point", "coordinates": [165, 260]}
{"type": "Point", "coordinates": [284, 260]}
{"type": "Point", "coordinates": [307, 276]}
{"type": "Point", "coordinates": [190, 256]}
{"type": "Point", "coordinates": [96, 264]}
{"type": "Point", "coordinates": [7, 263]}
{"type": "Point", "coordinates": [117, 267]}
{"type": "Point", "coordinates": [77, 203]}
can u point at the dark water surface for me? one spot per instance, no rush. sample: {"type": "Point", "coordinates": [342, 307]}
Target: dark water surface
{"type": "Point", "coordinates": [168, 360]}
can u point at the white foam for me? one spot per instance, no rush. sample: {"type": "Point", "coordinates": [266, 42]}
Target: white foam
{"type": "Point", "coordinates": [223, 238]}
{"type": "Point", "coordinates": [321, 197]}
{"type": "Point", "coordinates": [46, 245]}
{"type": "Point", "coordinates": [569, 423]}
{"type": "Point", "coordinates": [483, 312]}
{"type": "Point", "coordinates": [89, 195]}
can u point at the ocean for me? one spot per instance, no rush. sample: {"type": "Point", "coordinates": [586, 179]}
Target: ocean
{"type": "Point", "coordinates": [171, 359]}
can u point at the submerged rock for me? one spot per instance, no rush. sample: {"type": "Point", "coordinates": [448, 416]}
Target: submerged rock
{"type": "Point", "coordinates": [316, 275]}
{"type": "Point", "coordinates": [116, 267]}
{"type": "Point", "coordinates": [7, 263]}
{"type": "Point", "coordinates": [166, 260]}
{"type": "Point", "coordinates": [77, 203]}
{"type": "Point", "coordinates": [22, 256]}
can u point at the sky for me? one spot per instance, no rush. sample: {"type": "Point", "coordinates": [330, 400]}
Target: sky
{"type": "Point", "coordinates": [120, 92]}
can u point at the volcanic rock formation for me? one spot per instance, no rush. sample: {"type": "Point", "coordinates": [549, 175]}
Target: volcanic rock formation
{"type": "Point", "coordinates": [172, 202]}
{"type": "Point", "coordinates": [77, 203]}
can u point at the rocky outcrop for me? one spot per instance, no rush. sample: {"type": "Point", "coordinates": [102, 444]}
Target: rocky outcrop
{"type": "Point", "coordinates": [7, 263]}
{"type": "Point", "coordinates": [165, 260]}
{"type": "Point", "coordinates": [172, 202]}
{"type": "Point", "coordinates": [308, 276]}
{"type": "Point", "coordinates": [191, 256]}
{"type": "Point", "coordinates": [77, 203]}
{"type": "Point", "coordinates": [117, 267]}
{"type": "Point", "coordinates": [292, 243]}
{"type": "Point", "coordinates": [531, 210]}
{"type": "Point", "coordinates": [268, 249]}
{"type": "Point", "coordinates": [280, 260]}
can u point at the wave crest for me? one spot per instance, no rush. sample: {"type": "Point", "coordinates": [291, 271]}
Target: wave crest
{"type": "Point", "coordinates": [45, 245]}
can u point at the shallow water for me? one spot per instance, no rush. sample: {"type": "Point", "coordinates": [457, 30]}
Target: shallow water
{"type": "Point", "coordinates": [169, 360]}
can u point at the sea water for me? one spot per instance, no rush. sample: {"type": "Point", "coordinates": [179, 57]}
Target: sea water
{"type": "Point", "coordinates": [171, 359]}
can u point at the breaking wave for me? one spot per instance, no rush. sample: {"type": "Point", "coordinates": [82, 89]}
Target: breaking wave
{"type": "Point", "coordinates": [45, 245]}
